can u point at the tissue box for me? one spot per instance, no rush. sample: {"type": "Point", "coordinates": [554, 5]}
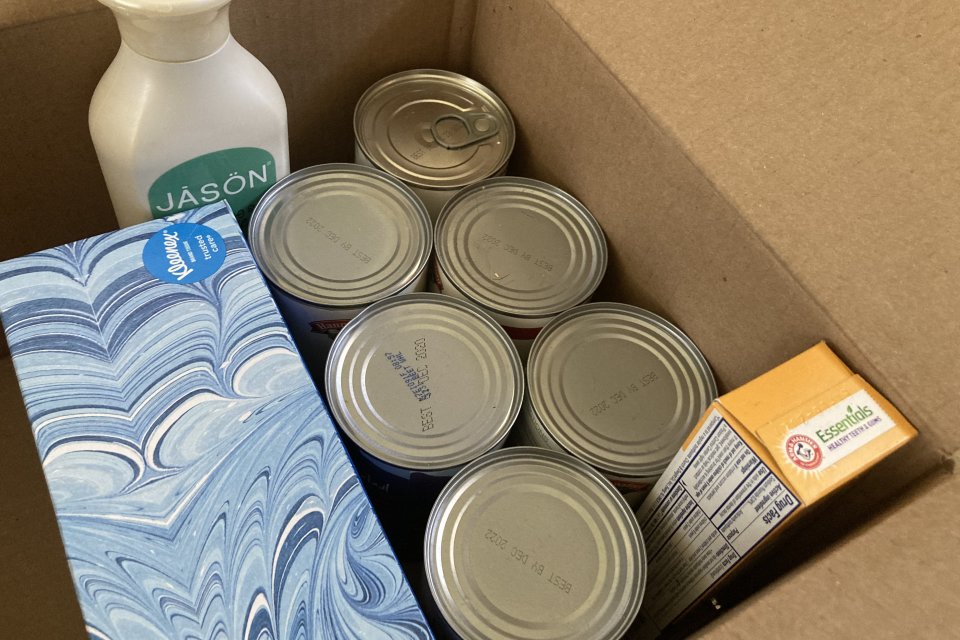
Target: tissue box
{"type": "Point", "coordinates": [199, 485]}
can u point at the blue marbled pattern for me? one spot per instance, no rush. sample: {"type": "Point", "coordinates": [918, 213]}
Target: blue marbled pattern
{"type": "Point", "coordinates": [199, 485]}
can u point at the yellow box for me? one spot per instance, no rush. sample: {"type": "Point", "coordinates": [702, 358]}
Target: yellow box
{"type": "Point", "coordinates": [758, 457]}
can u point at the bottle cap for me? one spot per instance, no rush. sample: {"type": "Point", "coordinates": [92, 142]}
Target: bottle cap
{"type": "Point", "coordinates": [172, 30]}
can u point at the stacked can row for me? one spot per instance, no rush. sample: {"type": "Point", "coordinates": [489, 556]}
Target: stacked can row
{"type": "Point", "coordinates": [424, 383]}
{"type": "Point", "coordinates": [426, 386]}
{"type": "Point", "coordinates": [333, 239]}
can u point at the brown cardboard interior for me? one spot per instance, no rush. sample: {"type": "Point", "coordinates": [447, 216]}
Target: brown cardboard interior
{"type": "Point", "coordinates": [767, 174]}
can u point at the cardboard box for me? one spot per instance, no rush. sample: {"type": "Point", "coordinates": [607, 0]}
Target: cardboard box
{"type": "Point", "coordinates": [199, 485]}
{"type": "Point", "coordinates": [756, 461]}
{"type": "Point", "coordinates": [768, 175]}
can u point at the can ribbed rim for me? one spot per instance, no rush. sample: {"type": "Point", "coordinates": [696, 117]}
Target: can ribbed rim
{"type": "Point", "coordinates": [541, 486]}
{"type": "Point", "coordinates": [485, 238]}
{"type": "Point", "coordinates": [340, 235]}
{"type": "Point", "coordinates": [449, 87]}
{"type": "Point", "coordinates": [475, 386]}
{"type": "Point", "coordinates": [639, 437]}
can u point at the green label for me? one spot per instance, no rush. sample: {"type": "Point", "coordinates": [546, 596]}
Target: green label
{"type": "Point", "coordinates": [240, 175]}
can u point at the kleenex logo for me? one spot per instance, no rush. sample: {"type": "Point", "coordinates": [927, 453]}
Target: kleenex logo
{"type": "Point", "coordinates": [171, 247]}
{"type": "Point", "coordinates": [184, 253]}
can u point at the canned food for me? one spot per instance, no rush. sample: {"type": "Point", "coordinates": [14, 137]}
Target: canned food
{"type": "Point", "coordinates": [531, 543]}
{"type": "Point", "coordinates": [437, 131]}
{"type": "Point", "coordinates": [422, 384]}
{"type": "Point", "coordinates": [522, 250]}
{"type": "Point", "coordinates": [616, 386]}
{"type": "Point", "coordinates": [332, 239]}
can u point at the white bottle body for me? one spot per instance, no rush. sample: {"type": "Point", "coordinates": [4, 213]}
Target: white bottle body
{"type": "Point", "coordinates": [149, 116]}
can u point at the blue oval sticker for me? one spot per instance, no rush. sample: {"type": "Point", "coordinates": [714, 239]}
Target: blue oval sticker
{"type": "Point", "coordinates": [184, 253]}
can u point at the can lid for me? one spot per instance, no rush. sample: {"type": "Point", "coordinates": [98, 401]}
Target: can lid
{"type": "Point", "coordinates": [531, 543]}
{"type": "Point", "coordinates": [618, 387]}
{"type": "Point", "coordinates": [520, 247]}
{"type": "Point", "coordinates": [434, 129]}
{"type": "Point", "coordinates": [424, 381]}
{"type": "Point", "coordinates": [340, 235]}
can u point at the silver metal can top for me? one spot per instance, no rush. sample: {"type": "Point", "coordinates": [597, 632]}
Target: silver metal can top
{"type": "Point", "coordinates": [618, 387]}
{"type": "Point", "coordinates": [520, 247]}
{"type": "Point", "coordinates": [434, 129]}
{"type": "Point", "coordinates": [340, 235]}
{"type": "Point", "coordinates": [531, 543]}
{"type": "Point", "coordinates": [424, 381]}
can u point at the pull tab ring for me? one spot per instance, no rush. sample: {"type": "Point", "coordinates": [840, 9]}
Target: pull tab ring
{"type": "Point", "coordinates": [480, 126]}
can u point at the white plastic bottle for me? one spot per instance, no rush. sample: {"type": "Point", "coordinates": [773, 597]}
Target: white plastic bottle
{"type": "Point", "coordinates": [184, 115]}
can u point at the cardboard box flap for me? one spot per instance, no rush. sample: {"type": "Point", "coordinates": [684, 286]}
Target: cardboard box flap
{"type": "Point", "coordinates": [14, 14]}
{"type": "Point", "coordinates": [830, 129]}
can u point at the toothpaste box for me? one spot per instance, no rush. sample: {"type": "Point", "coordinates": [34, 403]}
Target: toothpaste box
{"type": "Point", "coordinates": [199, 485]}
{"type": "Point", "coordinates": [759, 457]}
